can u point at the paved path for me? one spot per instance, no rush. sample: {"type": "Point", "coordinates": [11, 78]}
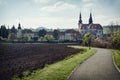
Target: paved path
{"type": "Point", "coordinates": [98, 67]}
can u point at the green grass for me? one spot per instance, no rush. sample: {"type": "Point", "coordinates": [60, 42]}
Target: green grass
{"type": "Point", "coordinates": [60, 70]}
{"type": "Point", "coordinates": [116, 54]}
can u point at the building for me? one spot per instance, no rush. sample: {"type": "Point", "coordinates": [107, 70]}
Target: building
{"type": "Point", "coordinates": [109, 31]}
{"type": "Point", "coordinates": [19, 32]}
{"type": "Point", "coordinates": [95, 29]}
{"type": "Point", "coordinates": [69, 35]}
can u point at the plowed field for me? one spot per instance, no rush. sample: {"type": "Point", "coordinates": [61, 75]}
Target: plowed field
{"type": "Point", "coordinates": [18, 57]}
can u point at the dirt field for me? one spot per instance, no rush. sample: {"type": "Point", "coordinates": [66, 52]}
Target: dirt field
{"type": "Point", "coordinates": [16, 58]}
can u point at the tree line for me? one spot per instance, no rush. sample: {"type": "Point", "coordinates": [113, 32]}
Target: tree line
{"type": "Point", "coordinates": [11, 35]}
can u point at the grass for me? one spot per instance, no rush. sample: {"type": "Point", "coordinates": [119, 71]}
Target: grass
{"type": "Point", "coordinates": [116, 54]}
{"type": "Point", "coordinates": [60, 70]}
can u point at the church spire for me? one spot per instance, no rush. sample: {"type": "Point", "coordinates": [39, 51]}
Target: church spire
{"type": "Point", "coordinates": [80, 20]}
{"type": "Point", "coordinates": [90, 19]}
{"type": "Point", "coordinates": [19, 26]}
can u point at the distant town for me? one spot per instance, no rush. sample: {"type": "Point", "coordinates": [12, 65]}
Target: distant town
{"type": "Point", "coordinates": [42, 34]}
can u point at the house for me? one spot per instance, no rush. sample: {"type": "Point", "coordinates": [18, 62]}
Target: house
{"type": "Point", "coordinates": [69, 35]}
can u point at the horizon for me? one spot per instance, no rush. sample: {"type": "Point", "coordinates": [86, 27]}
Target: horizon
{"type": "Point", "coordinates": [54, 14]}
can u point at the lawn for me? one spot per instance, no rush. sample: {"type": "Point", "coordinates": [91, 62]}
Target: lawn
{"type": "Point", "coordinates": [116, 54]}
{"type": "Point", "coordinates": [59, 70]}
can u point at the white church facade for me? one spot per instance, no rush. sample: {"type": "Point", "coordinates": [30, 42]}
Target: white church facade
{"type": "Point", "coordinates": [95, 29]}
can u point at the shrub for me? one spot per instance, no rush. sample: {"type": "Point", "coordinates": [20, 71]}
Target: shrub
{"type": "Point", "coordinates": [100, 43]}
{"type": "Point", "coordinates": [116, 41]}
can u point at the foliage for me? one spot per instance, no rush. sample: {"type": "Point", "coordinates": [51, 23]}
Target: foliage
{"type": "Point", "coordinates": [56, 34]}
{"type": "Point", "coordinates": [25, 38]}
{"type": "Point", "coordinates": [41, 39]}
{"type": "Point", "coordinates": [13, 30]}
{"type": "Point", "coordinates": [101, 44]}
{"type": "Point", "coordinates": [12, 37]}
{"type": "Point", "coordinates": [87, 39]}
{"type": "Point", "coordinates": [3, 31]}
{"type": "Point", "coordinates": [116, 41]}
{"type": "Point", "coordinates": [3, 39]}
{"type": "Point", "coordinates": [116, 54]}
{"type": "Point", "coordinates": [42, 33]}
{"type": "Point", "coordinates": [46, 38]}
{"type": "Point", "coordinates": [49, 37]}
{"type": "Point", "coordinates": [26, 73]}
{"type": "Point", "coordinates": [19, 38]}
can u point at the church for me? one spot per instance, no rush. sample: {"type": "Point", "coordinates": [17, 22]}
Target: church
{"type": "Point", "coordinates": [95, 29]}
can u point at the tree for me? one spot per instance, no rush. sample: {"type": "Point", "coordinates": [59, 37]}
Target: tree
{"type": "Point", "coordinates": [87, 39]}
{"type": "Point", "coordinates": [115, 39]}
{"type": "Point", "coordinates": [12, 37]}
{"type": "Point", "coordinates": [13, 30]}
{"type": "Point", "coordinates": [3, 32]}
{"type": "Point", "coordinates": [42, 32]}
{"type": "Point", "coordinates": [25, 38]}
{"type": "Point", "coordinates": [56, 34]}
{"type": "Point", "coordinates": [46, 38]}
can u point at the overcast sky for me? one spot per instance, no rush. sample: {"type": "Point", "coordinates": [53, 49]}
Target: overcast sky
{"type": "Point", "coordinates": [58, 13]}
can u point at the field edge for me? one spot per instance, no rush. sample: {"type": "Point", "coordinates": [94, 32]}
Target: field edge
{"type": "Point", "coordinates": [59, 70]}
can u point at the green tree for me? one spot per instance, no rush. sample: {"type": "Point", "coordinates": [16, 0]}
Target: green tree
{"type": "Point", "coordinates": [41, 39]}
{"type": "Point", "coordinates": [13, 30]}
{"type": "Point", "coordinates": [3, 31]}
{"type": "Point", "coordinates": [88, 39]}
{"type": "Point", "coordinates": [12, 37]}
{"type": "Point", "coordinates": [115, 39]}
{"type": "Point", "coordinates": [56, 34]}
{"type": "Point", "coordinates": [25, 38]}
{"type": "Point", "coordinates": [42, 33]}
{"type": "Point", "coordinates": [46, 38]}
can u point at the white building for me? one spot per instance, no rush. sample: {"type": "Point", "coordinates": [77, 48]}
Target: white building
{"type": "Point", "coordinates": [95, 29]}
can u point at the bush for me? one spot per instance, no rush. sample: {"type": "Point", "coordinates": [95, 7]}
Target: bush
{"type": "Point", "coordinates": [100, 43]}
{"type": "Point", "coordinates": [3, 39]}
{"type": "Point", "coordinates": [116, 41]}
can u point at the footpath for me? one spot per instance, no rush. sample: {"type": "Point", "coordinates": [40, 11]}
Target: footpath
{"type": "Point", "coordinates": [98, 67]}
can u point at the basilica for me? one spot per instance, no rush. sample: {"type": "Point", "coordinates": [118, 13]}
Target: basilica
{"type": "Point", "coordinates": [95, 29]}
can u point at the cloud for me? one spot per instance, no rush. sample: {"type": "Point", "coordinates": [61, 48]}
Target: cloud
{"type": "Point", "coordinates": [41, 1]}
{"type": "Point", "coordinates": [88, 3]}
{"type": "Point", "coordinates": [48, 22]}
{"type": "Point", "coordinates": [59, 6]}
{"type": "Point", "coordinates": [3, 2]}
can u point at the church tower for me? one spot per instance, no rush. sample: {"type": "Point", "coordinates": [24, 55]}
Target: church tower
{"type": "Point", "coordinates": [19, 33]}
{"type": "Point", "coordinates": [90, 19]}
{"type": "Point", "coordinates": [80, 20]}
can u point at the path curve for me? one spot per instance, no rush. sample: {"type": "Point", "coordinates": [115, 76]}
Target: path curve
{"type": "Point", "coordinates": [98, 67]}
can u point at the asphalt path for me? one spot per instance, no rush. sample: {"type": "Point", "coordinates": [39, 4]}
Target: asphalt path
{"type": "Point", "coordinates": [98, 67]}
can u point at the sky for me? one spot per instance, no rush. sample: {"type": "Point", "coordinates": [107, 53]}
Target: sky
{"type": "Point", "coordinates": [54, 14]}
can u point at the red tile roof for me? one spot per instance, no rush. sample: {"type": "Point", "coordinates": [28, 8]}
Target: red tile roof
{"type": "Point", "coordinates": [91, 26]}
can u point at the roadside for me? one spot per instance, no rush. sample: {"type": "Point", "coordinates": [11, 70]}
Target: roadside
{"type": "Point", "coordinates": [98, 67]}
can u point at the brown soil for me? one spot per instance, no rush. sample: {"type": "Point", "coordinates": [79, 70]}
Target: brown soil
{"type": "Point", "coordinates": [17, 58]}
